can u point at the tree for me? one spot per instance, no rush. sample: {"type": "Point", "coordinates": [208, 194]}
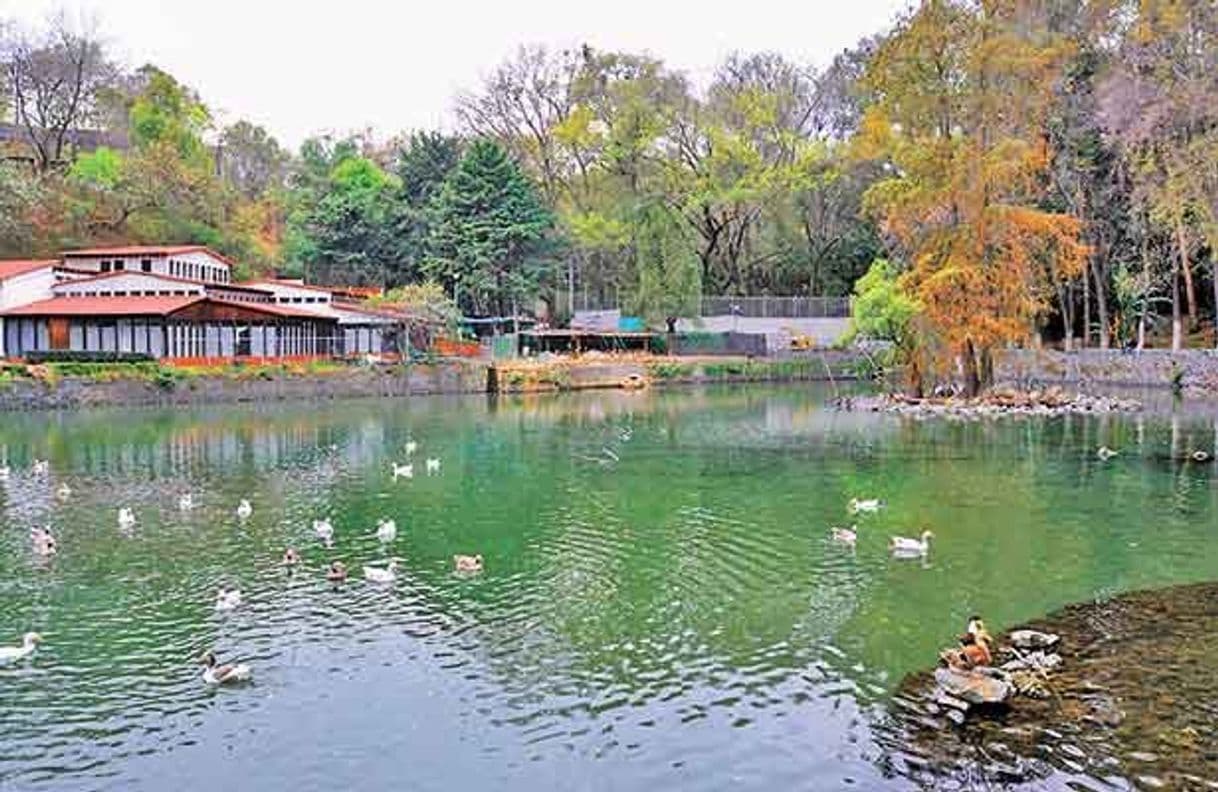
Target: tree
{"type": "Point", "coordinates": [959, 102]}
{"type": "Point", "coordinates": [489, 232]}
{"type": "Point", "coordinates": [421, 164]}
{"type": "Point", "coordinates": [669, 272]}
{"type": "Point", "coordinates": [251, 159]}
{"type": "Point", "coordinates": [53, 81]}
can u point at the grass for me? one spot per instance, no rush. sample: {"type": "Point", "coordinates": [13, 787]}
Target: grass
{"type": "Point", "coordinates": [166, 377]}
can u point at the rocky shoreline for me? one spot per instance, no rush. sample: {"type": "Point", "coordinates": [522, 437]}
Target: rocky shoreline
{"type": "Point", "coordinates": [997, 403]}
{"type": "Point", "coordinates": [1132, 703]}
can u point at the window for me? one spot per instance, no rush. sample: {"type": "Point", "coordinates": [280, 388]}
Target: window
{"type": "Point", "coordinates": [146, 265]}
{"type": "Point", "coordinates": [120, 265]}
{"type": "Point", "coordinates": [105, 266]}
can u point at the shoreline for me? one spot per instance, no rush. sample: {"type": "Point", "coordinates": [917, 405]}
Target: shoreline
{"type": "Point", "coordinates": [81, 386]}
{"type": "Point", "coordinates": [1133, 697]}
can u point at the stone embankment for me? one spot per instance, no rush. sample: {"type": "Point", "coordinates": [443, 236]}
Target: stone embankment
{"type": "Point", "coordinates": [1192, 370]}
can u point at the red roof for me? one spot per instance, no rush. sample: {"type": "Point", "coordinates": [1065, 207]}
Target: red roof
{"type": "Point", "coordinates": [144, 306]}
{"type": "Point", "coordinates": [105, 306]}
{"type": "Point", "coordinates": [11, 269]}
{"type": "Point", "coordinates": [145, 250]}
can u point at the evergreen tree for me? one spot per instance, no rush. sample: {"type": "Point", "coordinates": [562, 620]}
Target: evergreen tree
{"type": "Point", "coordinates": [488, 238]}
{"type": "Point", "coordinates": [669, 270]}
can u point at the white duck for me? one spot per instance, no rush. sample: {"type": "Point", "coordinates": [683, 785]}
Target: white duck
{"type": "Point", "coordinates": [904, 546]}
{"type": "Point", "coordinates": [433, 466]}
{"type": "Point", "coordinates": [386, 530]}
{"type": "Point", "coordinates": [403, 471]}
{"type": "Point", "coordinates": [228, 599]}
{"type": "Point", "coordinates": [64, 491]}
{"type": "Point", "coordinates": [324, 531]}
{"type": "Point", "coordinates": [41, 467]}
{"type": "Point", "coordinates": [186, 502]}
{"type": "Point", "coordinates": [869, 505]}
{"type": "Point", "coordinates": [244, 509]}
{"type": "Point", "coordinates": [411, 447]}
{"type": "Point", "coordinates": [126, 517]}
{"type": "Point", "coordinates": [846, 535]}
{"type": "Point", "coordinates": [5, 472]}
{"type": "Point", "coordinates": [29, 642]}
{"type": "Point", "coordinates": [468, 563]}
{"type": "Point", "coordinates": [386, 574]}
{"type": "Point", "coordinates": [1105, 453]}
{"type": "Point", "coordinates": [215, 674]}
{"type": "Point", "coordinates": [43, 541]}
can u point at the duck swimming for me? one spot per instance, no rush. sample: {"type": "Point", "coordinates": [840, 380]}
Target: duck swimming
{"type": "Point", "coordinates": [903, 546]}
{"type": "Point", "coordinates": [5, 472]}
{"type": "Point", "coordinates": [845, 535]}
{"type": "Point", "coordinates": [324, 531]}
{"type": "Point", "coordinates": [216, 674]}
{"type": "Point", "coordinates": [244, 509]}
{"type": "Point", "coordinates": [41, 467]}
{"type": "Point", "coordinates": [228, 599]}
{"type": "Point", "coordinates": [1105, 453]}
{"type": "Point", "coordinates": [433, 466]}
{"type": "Point", "coordinates": [186, 502]}
{"type": "Point", "coordinates": [386, 530]}
{"type": "Point", "coordinates": [403, 471]}
{"type": "Point", "coordinates": [337, 573]}
{"type": "Point", "coordinates": [64, 491]}
{"type": "Point", "coordinates": [468, 563]}
{"type": "Point", "coordinates": [43, 541]}
{"type": "Point", "coordinates": [868, 506]}
{"type": "Point", "coordinates": [386, 574]}
{"type": "Point", "coordinates": [126, 517]}
{"type": "Point", "coordinates": [29, 642]}
{"type": "Point", "coordinates": [290, 557]}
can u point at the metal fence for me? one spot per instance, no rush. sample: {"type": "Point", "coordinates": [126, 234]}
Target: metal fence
{"type": "Point", "coordinates": [724, 305]}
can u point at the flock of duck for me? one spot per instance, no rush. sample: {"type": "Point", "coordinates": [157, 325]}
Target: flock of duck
{"type": "Point", "coordinates": [44, 544]}
{"type": "Point", "coordinates": [903, 546]}
{"type": "Point", "coordinates": [899, 546]}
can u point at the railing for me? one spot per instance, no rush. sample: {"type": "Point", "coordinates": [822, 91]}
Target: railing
{"type": "Point", "coordinates": [725, 305]}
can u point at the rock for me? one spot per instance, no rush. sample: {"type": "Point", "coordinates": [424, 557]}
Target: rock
{"type": "Point", "coordinates": [1032, 639]}
{"type": "Point", "coordinates": [1104, 711]}
{"type": "Point", "coordinates": [1034, 661]}
{"type": "Point", "coordinates": [1144, 756]}
{"type": "Point", "coordinates": [955, 716]}
{"type": "Point", "coordinates": [973, 687]}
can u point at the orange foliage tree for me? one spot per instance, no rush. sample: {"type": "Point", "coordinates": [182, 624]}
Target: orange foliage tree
{"type": "Point", "coordinates": [959, 95]}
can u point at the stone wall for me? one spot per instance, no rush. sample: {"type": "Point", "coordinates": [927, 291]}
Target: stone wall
{"type": "Point", "coordinates": [380, 381]}
{"type": "Point", "coordinates": [1149, 368]}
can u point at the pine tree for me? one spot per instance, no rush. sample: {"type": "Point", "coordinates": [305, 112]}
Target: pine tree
{"type": "Point", "coordinates": [488, 238]}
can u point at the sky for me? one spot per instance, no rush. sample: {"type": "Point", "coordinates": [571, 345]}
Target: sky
{"type": "Point", "coordinates": [308, 66]}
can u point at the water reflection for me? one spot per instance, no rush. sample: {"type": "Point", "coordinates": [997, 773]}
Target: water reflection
{"type": "Point", "coordinates": [661, 603]}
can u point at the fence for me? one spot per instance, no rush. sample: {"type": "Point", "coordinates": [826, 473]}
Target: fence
{"type": "Point", "coordinates": [724, 305]}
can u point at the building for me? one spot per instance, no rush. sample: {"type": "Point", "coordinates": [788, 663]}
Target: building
{"type": "Point", "coordinates": [175, 303]}
{"type": "Point", "coordinates": [362, 330]}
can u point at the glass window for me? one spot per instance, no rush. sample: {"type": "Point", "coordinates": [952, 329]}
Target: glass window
{"type": "Point", "coordinates": [105, 266]}
{"type": "Point", "coordinates": [146, 265]}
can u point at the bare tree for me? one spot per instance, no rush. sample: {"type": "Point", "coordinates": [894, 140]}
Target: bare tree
{"type": "Point", "coordinates": [53, 80]}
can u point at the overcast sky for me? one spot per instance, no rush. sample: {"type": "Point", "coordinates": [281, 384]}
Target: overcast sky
{"type": "Point", "coordinates": [305, 66]}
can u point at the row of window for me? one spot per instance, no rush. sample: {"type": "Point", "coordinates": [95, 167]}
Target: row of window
{"type": "Point", "coordinates": [192, 270]}
{"type": "Point", "coordinates": [299, 300]}
{"type": "Point", "coordinates": [134, 293]}
{"type": "Point", "coordinates": [118, 265]}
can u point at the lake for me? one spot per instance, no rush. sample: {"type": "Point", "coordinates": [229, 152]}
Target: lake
{"type": "Point", "coordinates": [661, 605]}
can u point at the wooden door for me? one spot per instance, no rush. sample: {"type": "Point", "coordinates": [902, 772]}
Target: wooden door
{"type": "Point", "coordinates": [60, 336]}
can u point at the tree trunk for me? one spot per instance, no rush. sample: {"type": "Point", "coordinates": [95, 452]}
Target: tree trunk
{"type": "Point", "coordinates": [1063, 299]}
{"type": "Point", "coordinates": [1189, 290]}
{"type": "Point", "coordinates": [1145, 297]}
{"type": "Point", "coordinates": [972, 381]}
{"type": "Point", "coordinates": [1101, 307]}
{"type": "Point", "coordinates": [986, 374]}
{"type": "Point", "coordinates": [1214, 277]}
{"type": "Point", "coordinates": [1085, 340]}
{"type": "Point", "coordinates": [1177, 326]}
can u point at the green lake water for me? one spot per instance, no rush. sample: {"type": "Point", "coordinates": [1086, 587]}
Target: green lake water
{"type": "Point", "coordinates": [661, 605]}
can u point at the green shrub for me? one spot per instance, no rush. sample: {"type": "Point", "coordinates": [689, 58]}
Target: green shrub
{"type": "Point", "coordinates": [81, 356]}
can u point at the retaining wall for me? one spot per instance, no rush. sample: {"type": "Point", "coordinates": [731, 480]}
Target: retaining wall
{"type": "Point", "coordinates": [1149, 368]}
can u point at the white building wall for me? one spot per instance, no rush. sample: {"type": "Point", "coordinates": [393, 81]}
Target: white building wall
{"type": "Point", "coordinates": [197, 265]}
{"type": "Point", "coordinates": [22, 290]}
{"type": "Point", "coordinates": [129, 284]}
